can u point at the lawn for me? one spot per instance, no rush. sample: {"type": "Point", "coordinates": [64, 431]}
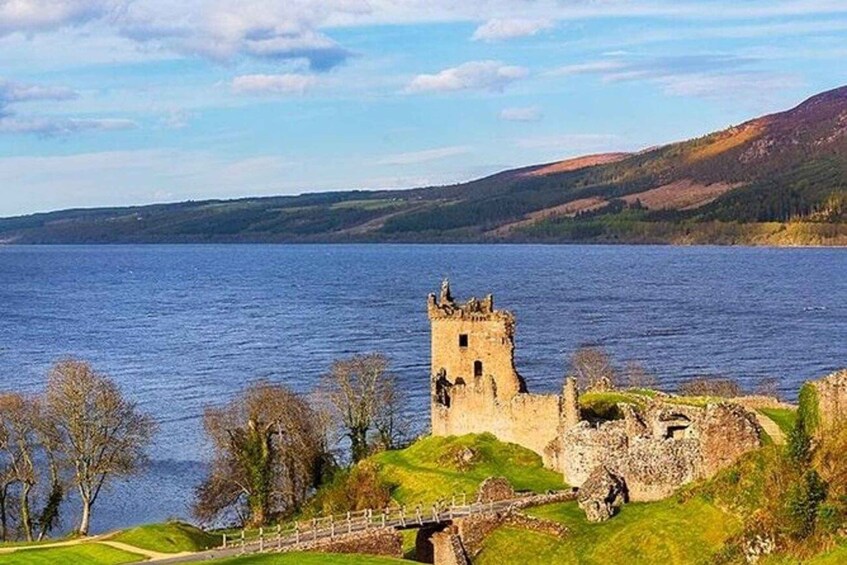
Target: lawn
{"type": "Point", "coordinates": [659, 532]}
{"type": "Point", "coordinates": [170, 537]}
{"type": "Point", "coordinates": [307, 559]}
{"type": "Point", "coordinates": [783, 417]}
{"type": "Point", "coordinates": [431, 468]}
{"type": "Point", "coordinates": [82, 554]}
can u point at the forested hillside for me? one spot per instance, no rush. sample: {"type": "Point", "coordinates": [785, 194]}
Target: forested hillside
{"type": "Point", "coordinates": [779, 179]}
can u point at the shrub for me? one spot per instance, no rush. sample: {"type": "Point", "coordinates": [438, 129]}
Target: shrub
{"type": "Point", "coordinates": [357, 488]}
{"type": "Point", "coordinates": [802, 502]}
{"type": "Point", "coordinates": [722, 387]}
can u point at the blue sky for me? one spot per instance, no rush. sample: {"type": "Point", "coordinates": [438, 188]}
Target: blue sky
{"type": "Point", "coordinates": [116, 102]}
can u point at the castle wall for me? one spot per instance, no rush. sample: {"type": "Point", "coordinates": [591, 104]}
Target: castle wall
{"type": "Point", "coordinates": [529, 420]}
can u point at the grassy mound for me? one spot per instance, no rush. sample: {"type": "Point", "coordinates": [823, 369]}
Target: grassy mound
{"type": "Point", "coordinates": [660, 532]}
{"type": "Point", "coordinates": [306, 559]}
{"type": "Point", "coordinates": [170, 537]}
{"type": "Point", "coordinates": [84, 553]}
{"type": "Point", "coordinates": [436, 468]}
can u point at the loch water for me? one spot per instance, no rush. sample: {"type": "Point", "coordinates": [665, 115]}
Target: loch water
{"type": "Point", "coordinates": [183, 327]}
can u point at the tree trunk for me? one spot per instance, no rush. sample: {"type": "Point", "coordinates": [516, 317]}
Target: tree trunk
{"type": "Point", "coordinates": [3, 532]}
{"type": "Point", "coordinates": [85, 521]}
{"type": "Point", "coordinates": [359, 443]}
{"type": "Point", "coordinates": [26, 520]}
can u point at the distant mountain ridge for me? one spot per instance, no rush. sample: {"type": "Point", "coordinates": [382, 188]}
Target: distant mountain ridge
{"type": "Point", "coordinates": [778, 179]}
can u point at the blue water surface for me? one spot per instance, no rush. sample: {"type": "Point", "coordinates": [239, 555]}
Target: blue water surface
{"type": "Point", "coordinates": [182, 327]}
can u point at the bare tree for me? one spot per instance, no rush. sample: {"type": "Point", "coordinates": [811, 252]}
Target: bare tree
{"type": "Point", "coordinates": [104, 435]}
{"type": "Point", "coordinates": [636, 376]}
{"type": "Point", "coordinates": [768, 386]}
{"type": "Point", "coordinates": [363, 397]}
{"type": "Point", "coordinates": [592, 368]}
{"type": "Point", "coordinates": [269, 453]}
{"type": "Point", "coordinates": [20, 444]}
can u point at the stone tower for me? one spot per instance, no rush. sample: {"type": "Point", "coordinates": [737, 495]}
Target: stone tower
{"type": "Point", "coordinates": [472, 346]}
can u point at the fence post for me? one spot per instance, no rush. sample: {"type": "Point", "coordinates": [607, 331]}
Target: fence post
{"type": "Point", "coordinates": [261, 539]}
{"type": "Point", "coordinates": [403, 515]}
{"type": "Point", "coordinates": [297, 533]}
{"type": "Point", "coordinates": [349, 523]}
{"type": "Point", "coordinates": [314, 529]}
{"type": "Point", "coordinates": [331, 527]}
{"type": "Point", "coordinates": [279, 536]}
{"type": "Point", "coordinates": [418, 515]}
{"type": "Point", "coordinates": [384, 517]}
{"type": "Point", "coordinates": [224, 545]}
{"type": "Point", "coordinates": [242, 541]}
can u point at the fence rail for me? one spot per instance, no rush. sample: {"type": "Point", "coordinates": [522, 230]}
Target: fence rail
{"type": "Point", "coordinates": [308, 532]}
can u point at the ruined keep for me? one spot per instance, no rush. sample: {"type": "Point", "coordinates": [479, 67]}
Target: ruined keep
{"type": "Point", "coordinates": [475, 386]}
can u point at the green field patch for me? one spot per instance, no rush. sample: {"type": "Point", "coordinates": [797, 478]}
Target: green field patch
{"type": "Point", "coordinates": [782, 417]}
{"type": "Point", "coordinates": [306, 559]}
{"type": "Point", "coordinates": [81, 554]}
{"type": "Point", "coordinates": [170, 537]}
{"type": "Point", "coordinates": [659, 532]}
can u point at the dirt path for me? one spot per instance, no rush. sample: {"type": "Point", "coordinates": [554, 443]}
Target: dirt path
{"type": "Point", "coordinates": [75, 541]}
{"type": "Point", "coordinates": [771, 428]}
{"type": "Point", "coordinates": [150, 555]}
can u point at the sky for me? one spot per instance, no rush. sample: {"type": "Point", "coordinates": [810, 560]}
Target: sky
{"type": "Point", "coordinates": [123, 102]}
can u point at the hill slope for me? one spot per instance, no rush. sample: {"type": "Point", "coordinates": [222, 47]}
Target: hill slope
{"type": "Point", "coordinates": [781, 178]}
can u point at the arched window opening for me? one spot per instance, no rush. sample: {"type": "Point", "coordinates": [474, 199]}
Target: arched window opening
{"type": "Point", "coordinates": [477, 368]}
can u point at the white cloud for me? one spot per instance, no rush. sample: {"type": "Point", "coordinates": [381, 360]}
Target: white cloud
{"type": "Point", "coordinates": [13, 92]}
{"type": "Point", "coordinates": [62, 126]}
{"type": "Point", "coordinates": [731, 84]}
{"type": "Point", "coordinates": [521, 114]}
{"type": "Point", "coordinates": [424, 156]}
{"type": "Point", "coordinates": [475, 75]}
{"type": "Point", "coordinates": [591, 67]}
{"type": "Point", "coordinates": [39, 15]}
{"type": "Point", "coordinates": [718, 76]}
{"type": "Point", "coordinates": [290, 83]}
{"type": "Point", "coordinates": [500, 29]}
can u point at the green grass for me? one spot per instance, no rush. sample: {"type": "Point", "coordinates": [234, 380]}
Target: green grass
{"type": "Point", "coordinates": [427, 470]}
{"type": "Point", "coordinates": [661, 532]}
{"type": "Point", "coordinates": [782, 417]}
{"type": "Point", "coordinates": [170, 537]}
{"type": "Point", "coordinates": [82, 554]}
{"type": "Point", "coordinates": [307, 559]}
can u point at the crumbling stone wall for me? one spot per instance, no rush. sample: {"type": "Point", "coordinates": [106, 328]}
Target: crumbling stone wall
{"type": "Point", "coordinates": [382, 541]}
{"type": "Point", "coordinates": [657, 449]}
{"type": "Point", "coordinates": [831, 392]}
{"type": "Point", "coordinates": [475, 386]}
{"type": "Point", "coordinates": [447, 548]}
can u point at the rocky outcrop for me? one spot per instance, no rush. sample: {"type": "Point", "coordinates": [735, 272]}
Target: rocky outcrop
{"type": "Point", "coordinates": [601, 495]}
{"type": "Point", "coordinates": [494, 489]}
{"type": "Point", "coordinates": [658, 448]}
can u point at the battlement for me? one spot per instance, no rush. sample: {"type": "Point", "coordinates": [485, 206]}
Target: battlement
{"type": "Point", "coordinates": [445, 307]}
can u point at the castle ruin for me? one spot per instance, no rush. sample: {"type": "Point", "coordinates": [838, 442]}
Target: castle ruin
{"type": "Point", "coordinates": [656, 448]}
